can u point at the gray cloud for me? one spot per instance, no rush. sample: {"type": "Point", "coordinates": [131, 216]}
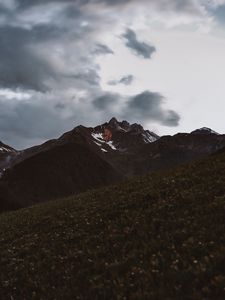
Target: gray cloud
{"type": "Point", "coordinates": [106, 101]}
{"type": "Point", "coordinates": [19, 65]}
{"type": "Point", "coordinates": [220, 14]}
{"type": "Point", "coordinates": [147, 106]}
{"type": "Point", "coordinates": [37, 56]}
{"type": "Point", "coordinates": [36, 53]}
{"type": "Point", "coordinates": [101, 49]}
{"type": "Point", "coordinates": [140, 48]}
{"type": "Point", "coordinates": [89, 76]}
{"type": "Point", "coordinates": [25, 123]}
{"type": "Point", "coordinates": [126, 80]}
{"type": "Point", "coordinates": [177, 5]}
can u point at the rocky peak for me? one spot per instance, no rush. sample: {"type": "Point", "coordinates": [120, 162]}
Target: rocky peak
{"type": "Point", "coordinates": [125, 130]}
{"type": "Point", "coordinates": [114, 124]}
{"type": "Point", "coordinates": [137, 128]}
{"type": "Point", "coordinates": [125, 125]}
{"type": "Point", "coordinates": [113, 121]}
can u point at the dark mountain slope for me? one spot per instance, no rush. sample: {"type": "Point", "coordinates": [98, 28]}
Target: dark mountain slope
{"type": "Point", "coordinates": [171, 151]}
{"type": "Point", "coordinates": [63, 170]}
{"type": "Point", "coordinates": [156, 237]}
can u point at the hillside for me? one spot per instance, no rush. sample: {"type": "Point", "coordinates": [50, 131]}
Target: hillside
{"type": "Point", "coordinates": [61, 171]}
{"type": "Point", "coordinates": [156, 237]}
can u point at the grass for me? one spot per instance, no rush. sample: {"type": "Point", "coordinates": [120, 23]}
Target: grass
{"type": "Point", "coordinates": [156, 237]}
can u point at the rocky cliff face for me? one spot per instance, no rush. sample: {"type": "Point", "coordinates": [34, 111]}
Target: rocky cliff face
{"type": "Point", "coordinates": [123, 136]}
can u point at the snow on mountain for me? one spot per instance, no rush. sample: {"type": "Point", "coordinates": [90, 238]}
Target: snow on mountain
{"type": "Point", "coordinates": [122, 136]}
{"type": "Point", "coordinates": [5, 148]}
{"type": "Point", "coordinates": [98, 144]}
{"type": "Point", "coordinates": [98, 137]}
{"type": "Point", "coordinates": [7, 153]}
{"type": "Point", "coordinates": [110, 143]}
{"type": "Point", "coordinates": [149, 137]}
{"type": "Point", "coordinates": [101, 141]}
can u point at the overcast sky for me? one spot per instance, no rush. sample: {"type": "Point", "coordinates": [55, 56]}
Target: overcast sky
{"type": "Point", "coordinates": [160, 63]}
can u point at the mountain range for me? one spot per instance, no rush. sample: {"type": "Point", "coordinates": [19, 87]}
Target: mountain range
{"type": "Point", "coordinates": [86, 158]}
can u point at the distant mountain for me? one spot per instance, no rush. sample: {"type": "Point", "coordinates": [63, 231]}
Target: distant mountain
{"type": "Point", "coordinates": [171, 151]}
{"type": "Point", "coordinates": [122, 138]}
{"type": "Point", "coordinates": [204, 130]}
{"type": "Point", "coordinates": [86, 157]}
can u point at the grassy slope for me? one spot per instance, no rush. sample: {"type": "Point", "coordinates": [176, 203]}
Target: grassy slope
{"type": "Point", "coordinates": [158, 237]}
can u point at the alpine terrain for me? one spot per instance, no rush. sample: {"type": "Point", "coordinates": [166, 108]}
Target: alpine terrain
{"type": "Point", "coordinates": [86, 158]}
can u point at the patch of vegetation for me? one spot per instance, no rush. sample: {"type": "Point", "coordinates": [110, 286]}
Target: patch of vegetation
{"type": "Point", "coordinates": [156, 237]}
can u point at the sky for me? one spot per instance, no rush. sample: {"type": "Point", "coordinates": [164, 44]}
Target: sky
{"type": "Point", "coordinates": [160, 63]}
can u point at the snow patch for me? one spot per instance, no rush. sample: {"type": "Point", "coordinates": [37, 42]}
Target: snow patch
{"type": "Point", "coordinates": [103, 150]}
{"type": "Point", "coordinates": [204, 130]}
{"type": "Point", "coordinates": [121, 129]}
{"type": "Point", "coordinates": [3, 149]}
{"type": "Point", "coordinates": [111, 145]}
{"type": "Point", "coordinates": [208, 129]}
{"type": "Point", "coordinates": [148, 138]}
{"type": "Point", "coordinates": [98, 137]}
{"type": "Point", "coordinates": [100, 140]}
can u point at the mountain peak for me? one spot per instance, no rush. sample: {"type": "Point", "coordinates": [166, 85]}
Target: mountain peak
{"type": "Point", "coordinates": [121, 136]}
{"type": "Point", "coordinates": [125, 126]}
{"type": "Point", "coordinates": [113, 121]}
{"type": "Point", "coordinates": [204, 130]}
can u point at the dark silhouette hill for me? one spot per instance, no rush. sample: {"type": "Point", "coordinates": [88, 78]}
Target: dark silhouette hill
{"type": "Point", "coordinates": [63, 170]}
